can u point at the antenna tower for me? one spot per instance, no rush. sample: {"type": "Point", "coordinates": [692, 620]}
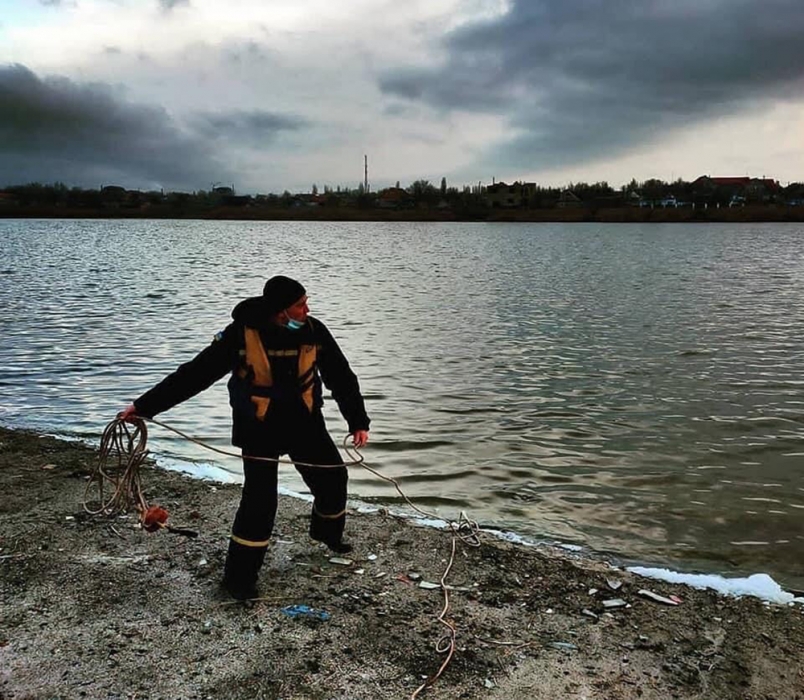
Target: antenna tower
{"type": "Point", "coordinates": [365, 174]}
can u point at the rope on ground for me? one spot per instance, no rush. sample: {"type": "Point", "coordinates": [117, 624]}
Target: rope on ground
{"type": "Point", "coordinates": [463, 530]}
{"type": "Point", "coordinates": [126, 448]}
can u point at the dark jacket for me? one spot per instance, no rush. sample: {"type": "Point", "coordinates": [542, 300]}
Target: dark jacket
{"type": "Point", "coordinates": [287, 411]}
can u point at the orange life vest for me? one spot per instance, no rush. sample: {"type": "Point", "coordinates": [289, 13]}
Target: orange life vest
{"type": "Point", "coordinates": [257, 366]}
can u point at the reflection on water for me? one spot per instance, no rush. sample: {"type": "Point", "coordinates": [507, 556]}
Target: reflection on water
{"type": "Point", "coordinates": [636, 389]}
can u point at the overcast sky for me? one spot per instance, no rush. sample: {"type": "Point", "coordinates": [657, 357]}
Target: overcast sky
{"type": "Point", "coordinates": [271, 95]}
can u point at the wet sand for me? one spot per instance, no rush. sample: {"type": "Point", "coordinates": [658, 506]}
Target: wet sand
{"type": "Point", "coordinates": [98, 608]}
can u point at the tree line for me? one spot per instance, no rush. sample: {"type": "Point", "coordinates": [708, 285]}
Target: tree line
{"type": "Point", "coordinates": [418, 194]}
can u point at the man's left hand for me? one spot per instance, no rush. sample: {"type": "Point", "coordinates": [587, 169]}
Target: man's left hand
{"type": "Point", "coordinates": [359, 438]}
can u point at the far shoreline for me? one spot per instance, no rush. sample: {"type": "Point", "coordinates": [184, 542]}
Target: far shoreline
{"type": "Point", "coordinates": [622, 215]}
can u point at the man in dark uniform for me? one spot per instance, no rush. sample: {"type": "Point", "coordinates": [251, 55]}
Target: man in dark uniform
{"type": "Point", "coordinates": [278, 356]}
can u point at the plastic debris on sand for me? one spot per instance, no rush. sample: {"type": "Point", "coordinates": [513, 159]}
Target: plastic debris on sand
{"type": "Point", "coordinates": [305, 611]}
{"type": "Point", "coordinates": [340, 561]}
{"type": "Point", "coordinates": [657, 598]}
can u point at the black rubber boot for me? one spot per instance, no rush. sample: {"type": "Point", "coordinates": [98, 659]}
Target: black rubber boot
{"type": "Point", "coordinates": [330, 532]}
{"type": "Point", "coordinates": [241, 570]}
{"type": "Point", "coordinates": [341, 547]}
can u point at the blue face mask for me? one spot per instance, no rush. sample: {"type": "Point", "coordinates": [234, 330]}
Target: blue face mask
{"type": "Point", "coordinates": [293, 324]}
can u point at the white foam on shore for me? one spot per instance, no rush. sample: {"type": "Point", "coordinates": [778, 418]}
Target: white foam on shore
{"type": "Point", "coordinates": [199, 470]}
{"type": "Point", "coordinates": [515, 538]}
{"type": "Point", "coordinates": [283, 491]}
{"type": "Point", "coordinates": [759, 586]}
{"type": "Point", "coordinates": [414, 519]}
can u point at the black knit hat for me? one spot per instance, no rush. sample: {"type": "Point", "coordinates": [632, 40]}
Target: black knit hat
{"type": "Point", "coordinates": [280, 292]}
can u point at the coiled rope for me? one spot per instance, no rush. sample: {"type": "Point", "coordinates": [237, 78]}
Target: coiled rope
{"type": "Point", "coordinates": [121, 454]}
{"type": "Point", "coordinates": [123, 450]}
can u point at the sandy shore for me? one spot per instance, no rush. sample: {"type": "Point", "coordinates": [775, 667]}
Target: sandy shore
{"type": "Point", "coordinates": [97, 608]}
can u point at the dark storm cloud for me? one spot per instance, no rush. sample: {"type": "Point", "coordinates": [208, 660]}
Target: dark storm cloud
{"type": "Point", "coordinates": [82, 134]}
{"type": "Point", "coordinates": [249, 127]}
{"type": "Point", "coordinates": [593, 77]}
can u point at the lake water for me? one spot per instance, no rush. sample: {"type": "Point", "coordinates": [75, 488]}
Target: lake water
{"type": "Point", "coordinates": [634, 389]}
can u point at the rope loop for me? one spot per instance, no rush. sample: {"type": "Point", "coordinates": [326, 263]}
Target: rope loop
{"type": "Point", "coordinates": [121, 454]}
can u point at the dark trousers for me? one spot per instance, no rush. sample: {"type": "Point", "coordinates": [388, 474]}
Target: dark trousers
{"type": "Point", "coordinates": [254, 521]}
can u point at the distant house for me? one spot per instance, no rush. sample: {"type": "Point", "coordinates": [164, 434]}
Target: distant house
{"type": "Point", "coordinates": [394, 198]}
{"type": "Point", "coordinates": [503, 196]}
{"type": "Point", "coordinates": [113, 196]}
{"type": "Point", "coordinates": [718, 191]}
{"type": "Point", "coordinates": [227, 197]}
{"type": "Point", "coordinates": [794, 195]}
{"type": "Point", "coordinates": [113, 193]}
{"type": "Point", "coordinates": [632, 199]}
{"type": "Point", "coordinates": [706, 182]}
{"type": "Point", "coordinates": [569, 200]}
{"type": "Point", "coordinates": [329, 199]}
{"type": "Point", "coordinates": [307, 200]}
{"type": "Point", "coordinates": [735, 191]}
{"type": "Point", "coordinates": [762, 189]}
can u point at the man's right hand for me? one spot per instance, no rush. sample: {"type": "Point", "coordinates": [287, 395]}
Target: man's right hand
{"type": "Point", "coordinates": [128, 414]}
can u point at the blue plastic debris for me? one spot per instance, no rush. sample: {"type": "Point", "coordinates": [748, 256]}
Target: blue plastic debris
{"type": "Point", "coordinates": [305, 611]}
